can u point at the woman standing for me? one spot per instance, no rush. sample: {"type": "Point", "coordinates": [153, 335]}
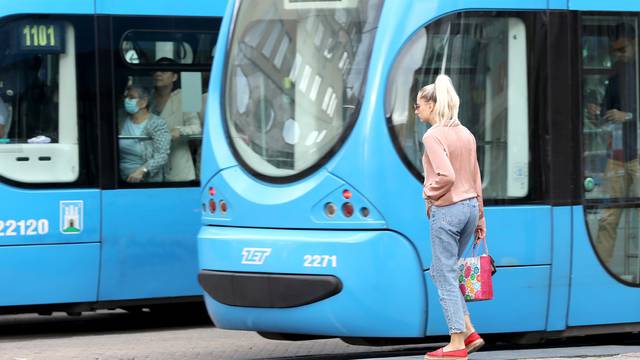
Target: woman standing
{"type": "Point", "coordinates": [142, 160]}
{"type": "Point", "coordinates": [453, 194]}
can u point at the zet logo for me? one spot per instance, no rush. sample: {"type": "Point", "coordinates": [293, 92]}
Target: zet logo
{"type": "Point", "coordinates": [71, 216]}
{"type": "Point", "coordinates": [255, 256]}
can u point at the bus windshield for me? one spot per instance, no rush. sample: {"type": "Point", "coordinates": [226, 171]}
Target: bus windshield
{"type": "Point", "coordinates": [288, 102]}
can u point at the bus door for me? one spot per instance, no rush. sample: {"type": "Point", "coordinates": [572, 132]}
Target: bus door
{"type": "Point", "coordinates": [50, 213]}
{"type": "Point", "coordinates": [151, 216]}
{"type": "Point", "coordinates": [606, 240]}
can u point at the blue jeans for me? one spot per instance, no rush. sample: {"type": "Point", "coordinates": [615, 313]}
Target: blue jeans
{"type": "Point", "coordinates": [452, 228]}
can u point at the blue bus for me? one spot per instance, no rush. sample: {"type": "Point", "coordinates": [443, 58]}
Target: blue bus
{"type": "Point", "coordinates": [75, 233]}
{"type": "Point", "coordinates": [312, 216]}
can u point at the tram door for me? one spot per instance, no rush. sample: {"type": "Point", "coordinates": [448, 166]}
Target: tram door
{"type": "Point", "coordinates": [606, 246]}
{"type": "Point", "coordinates": [50, 212]}
{"type": "Point", "coordinates": [151, 216]}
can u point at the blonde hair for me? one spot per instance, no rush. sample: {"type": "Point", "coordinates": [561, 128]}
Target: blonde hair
{"type": "Point", "coordinates": [444, 95]}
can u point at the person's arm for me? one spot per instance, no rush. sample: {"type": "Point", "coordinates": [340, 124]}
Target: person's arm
{"type": "Point", "coordinates": [161, 141]}
{"type": "Point", "coordinates": [444, 174]}
{"type": "Point", "coordinates": [191, 125]}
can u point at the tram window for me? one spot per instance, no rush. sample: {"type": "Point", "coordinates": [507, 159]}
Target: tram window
{"type": "Point", "coordinates": [38, 102]}
{"type": "Point", "coordinates": [176, 98]}
{"type": "Point", "coordinates": [296, 80]}
{"type": "Point", "coordinates": [610, 140]}
{"type": "Point", "coordinates": [492, 86]}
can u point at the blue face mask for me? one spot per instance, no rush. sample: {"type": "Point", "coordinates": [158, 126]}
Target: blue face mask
{"type": "Point", "coordinates": [131, 105]}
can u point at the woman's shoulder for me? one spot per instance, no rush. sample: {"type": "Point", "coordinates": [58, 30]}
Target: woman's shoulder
{"type": "Point", "coordinates": [436, 131]}
{"type": "Point", "coordinates": [465, 130]}
{"type": "Point", "coordinates": [432, 134]}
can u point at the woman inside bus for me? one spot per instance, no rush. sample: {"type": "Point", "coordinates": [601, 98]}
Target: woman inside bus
{"type": "Point", "coordinates": [453, 194]}
{"type": "Point", "coordinates": [143, 159]}
{"type": "Point", "coordinates": [167, 103]}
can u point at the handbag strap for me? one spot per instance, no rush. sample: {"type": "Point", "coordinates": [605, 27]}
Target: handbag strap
{"type": "Point", "coordinates": [485, 248]}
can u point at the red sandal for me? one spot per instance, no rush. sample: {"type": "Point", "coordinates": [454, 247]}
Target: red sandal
{"type": "Point", "coordinates": [473, 342]}
{"type": "Point", "coordinates": [440, 354]}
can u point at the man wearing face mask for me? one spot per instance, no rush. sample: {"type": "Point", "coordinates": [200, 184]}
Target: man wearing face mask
{"type": "Point", "coordinates": [142, 159]}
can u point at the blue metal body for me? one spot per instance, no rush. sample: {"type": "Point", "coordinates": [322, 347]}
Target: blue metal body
{"type": "Point", "coordinates": [548, 270]}
{"type": "Point", "coordinates": [134, 244]}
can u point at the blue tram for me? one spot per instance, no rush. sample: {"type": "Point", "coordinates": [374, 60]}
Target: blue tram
{"type": "Point", "coordinates": [75, 233]}
{"type": "Point", "coordinates": [312, 216]}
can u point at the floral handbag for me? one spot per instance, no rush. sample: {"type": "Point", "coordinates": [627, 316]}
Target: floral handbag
{"type": "Point", "coordinates": [475, 275]}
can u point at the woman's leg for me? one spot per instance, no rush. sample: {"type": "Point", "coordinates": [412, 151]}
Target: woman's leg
{"type": "Point", "coordinates": [446, 225]}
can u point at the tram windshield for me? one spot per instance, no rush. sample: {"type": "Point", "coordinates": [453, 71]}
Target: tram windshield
{"type": "Point", "coordinates": [295, 79]}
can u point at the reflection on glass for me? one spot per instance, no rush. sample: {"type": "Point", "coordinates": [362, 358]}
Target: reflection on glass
{"type": "Point", "coordinates": [610, 133]}
{"type": "Point", "coordinates": [284, 84]}
{"type": "Point", "coordinates": [617, 246]}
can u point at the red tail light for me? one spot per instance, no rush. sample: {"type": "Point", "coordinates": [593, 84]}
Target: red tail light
{"type": "Point", "coordinates": [347, 194]}
{"type": "Point", "coordinates": [212, 206]}
{"type": "Point", "coordinates": [212, 191]}
{"type": "Point", "coordinates": [223, 206]}
{"type": "Point", "coordinates": [347, 209]}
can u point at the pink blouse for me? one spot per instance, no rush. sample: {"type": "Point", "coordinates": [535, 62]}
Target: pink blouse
{"type": "Point", "coordinates": [451, 168]}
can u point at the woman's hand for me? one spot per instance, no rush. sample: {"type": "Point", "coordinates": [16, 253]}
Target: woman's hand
{"type": "Point", "coordinates": [175, 133]}
{"type": "Point", "coordinates": [137, 175]}
{"type": "Point", "coordinates": [480, 235]}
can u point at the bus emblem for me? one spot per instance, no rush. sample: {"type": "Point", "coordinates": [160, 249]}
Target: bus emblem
{"type": "Point", "coordinates": [255, 256]}
{"type": "Point", "coordinates": [71, 216]}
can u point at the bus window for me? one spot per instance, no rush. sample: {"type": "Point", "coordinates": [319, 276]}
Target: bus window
{"type": "Point", "coordinates": [38, 102]}
{"type": "Point", "coordinates": [610, 140]}
{"type": "Point", "coordinates": [471, 50]}
{"type": "Point", "coordinates": [172, 67]}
